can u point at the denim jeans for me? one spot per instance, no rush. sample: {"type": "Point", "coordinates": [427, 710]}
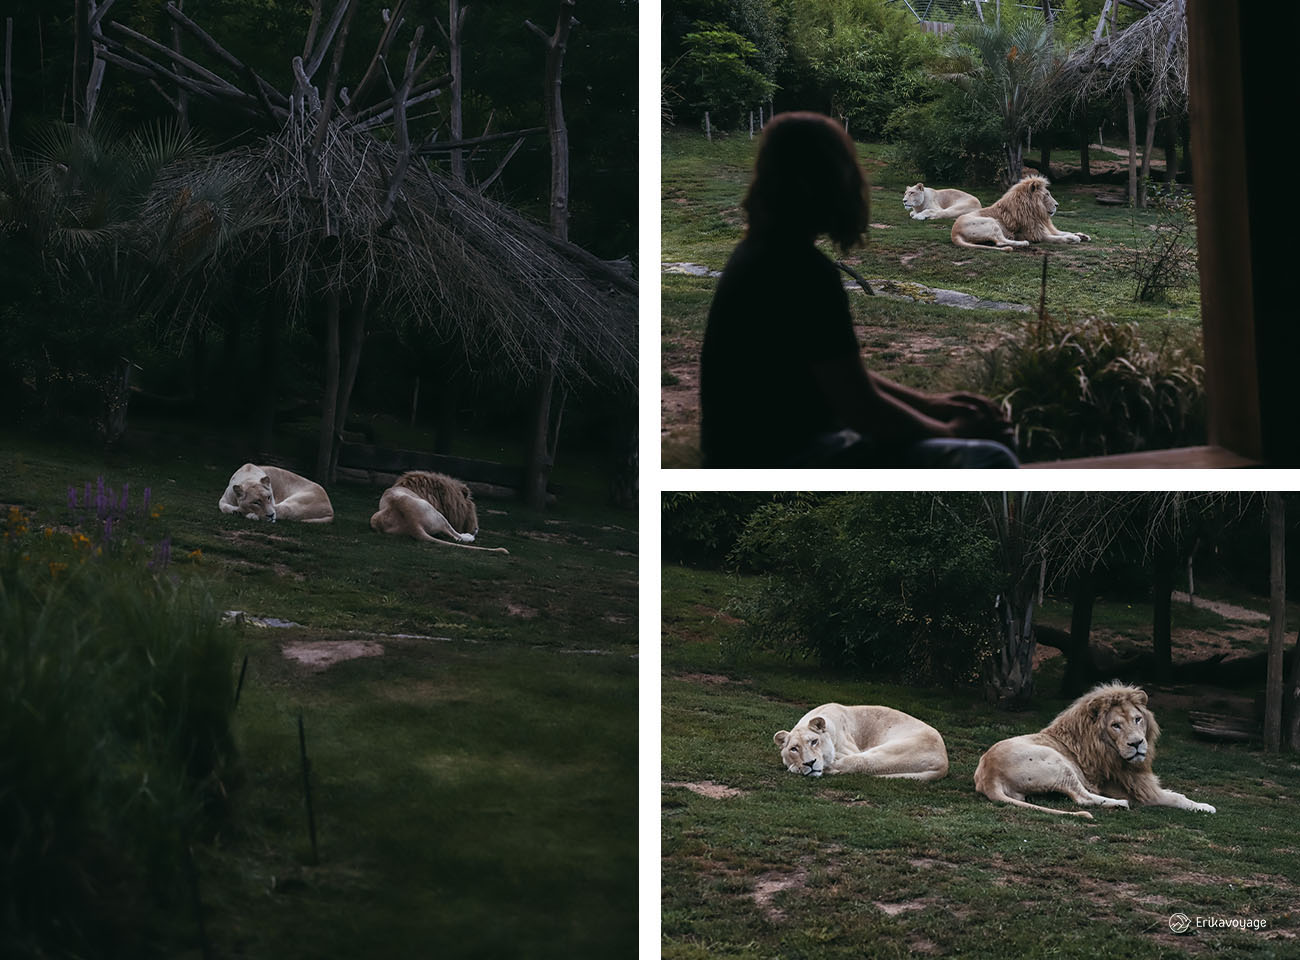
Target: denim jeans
{"type": "Point", "coordinates": [846, 448]}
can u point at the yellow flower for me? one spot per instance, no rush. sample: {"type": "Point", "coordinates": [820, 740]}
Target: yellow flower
{"type": "Point", "coordinates": [49, 532]}
{"type": "Point", "coordinates": [156, 512]}
{"type": "Point", "coordinates": [57, 568]}
{"type": "Point", "coordinates": [195, 555]}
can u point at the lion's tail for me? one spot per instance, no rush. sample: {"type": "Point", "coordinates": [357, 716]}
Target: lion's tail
{"type": "Point", "coordinates": [995, 792]}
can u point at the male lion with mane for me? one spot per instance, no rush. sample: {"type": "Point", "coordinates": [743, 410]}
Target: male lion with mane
{"type": "Point", "coordinates": [926, 203]}
{"type": "Point", "coordinates": [270, 493]}
{"type": "Point", "coordinates": [425, 505]}
{"type": "Point", "coordinates": [867, 739]}
{"type": "Point", "coordinates": [1022, 215]}
{"type": "Point", "coordinates": [1098, 751]}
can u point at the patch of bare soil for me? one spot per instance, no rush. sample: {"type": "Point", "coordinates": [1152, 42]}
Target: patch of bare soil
{"type": "Point", "coordinates": [769, 884]}
{"type": "Point", "coordinates": [716, 679]}
{"type": "Point", "coordinates": [281, 570]}
{"type": "Point", "coordinates": [847, 799]}
{"type": "Point", "coordinates": [521, 610]}
{"type": "Point", "coordinates": [325, 653]}
{"type": "Point", "coordinates": [1229, 611]}
{"type": "Point", "coordinates": [906, 906]}
{"type": "Point", "coordinates": [707, 788]}
{"type": "Point", "coordinates": [252, 536]}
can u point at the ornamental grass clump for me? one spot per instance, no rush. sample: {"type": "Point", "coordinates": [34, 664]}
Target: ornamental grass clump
{"type": "Point", "coordinates": [115, 726]}
{"type": "Point", "coordinates": [1093, 387]}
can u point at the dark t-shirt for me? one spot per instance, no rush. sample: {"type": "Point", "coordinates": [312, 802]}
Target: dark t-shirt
{"type": "Point", "coordinates": [779, 310]}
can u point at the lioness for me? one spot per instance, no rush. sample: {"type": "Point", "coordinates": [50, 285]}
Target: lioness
{"type": "Point", "coordinates": [865, 739]}
{"type": "Point", "coordinates": [924, 203]}
{"type": "Point", "coordinates": [270, 493]}
{"type": "Point", "coordinates": [1098, 751]}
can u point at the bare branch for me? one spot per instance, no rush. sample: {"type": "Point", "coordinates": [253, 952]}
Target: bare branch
{"type": "Point", "coordinates": [444, 146]}
{"type": "Point", "coordinates": [176, 57]}
{"type": "Point", "coordinates": [221, 53]}
{"type": "Point", "coordinates": [318, 56]}
{"type": "Point", "coordinates": [482, 187]}
{"type": "Point", "coordinates": [373, 69]}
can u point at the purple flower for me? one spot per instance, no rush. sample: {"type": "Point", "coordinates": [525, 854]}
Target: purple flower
{"type": "Point", "coordinates": [72, 498]}
{"type": "Point", "coordinates": [108, 529]}
{"type": "Point", "coordinates": [126, 496]}
{"type": "Point", "coordinates": [148, 492]}
{"type": "Point", "coordinates": [162, 554]}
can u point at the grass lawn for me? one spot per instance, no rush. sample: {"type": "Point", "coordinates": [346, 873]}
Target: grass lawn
{"type": "Point", "coordinates": [917, 343]}
{"type": "Point", "coordinates": [759, 863]}
{"type": "Point", "coordinates": [474, 779]}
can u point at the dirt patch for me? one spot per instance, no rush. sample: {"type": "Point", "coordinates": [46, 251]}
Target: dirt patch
{"type": "Point", "coordinates": [906, 906]}
{"type": "Point", "coordinates": [707, 678]}
{"type": "Point", "coordinates": [521, 610]}
{"type": "Point", "coordinates": [707, 788]}
{"type": "Point", "coordinates": [253, 536]}
{"type": "Point", "coordinates": [325, 653]}
{"type": "Point", "coordinates": [930, 863]}
{"type": "Point", "coordinates": [1229, 611]}
{"type": "Point", "coordinates": [284, 571]}
{"type": "Point", "coordinates": [768, 885]}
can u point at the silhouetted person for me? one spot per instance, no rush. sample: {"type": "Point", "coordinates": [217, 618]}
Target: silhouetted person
{"type": "Point", "coordinates": [782, 383]}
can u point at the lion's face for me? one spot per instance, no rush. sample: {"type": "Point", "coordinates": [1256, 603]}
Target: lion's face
{"type": "Point", "coordinates": [1125, 727]}
{"type": "Point", "coordinates": [254, 500]}
{"type": "Point", "coordinates": [914, 196]}
{"type": "Point", "coordinates": [806, 749]}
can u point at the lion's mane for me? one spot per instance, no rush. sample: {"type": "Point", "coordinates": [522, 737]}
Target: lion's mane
{"type": "Point", "coordinates": [1022, 210]}
{"type": "Point", "coordinates": [1078, 732]}
{"type": "Point", "coordinates": [449, 496]}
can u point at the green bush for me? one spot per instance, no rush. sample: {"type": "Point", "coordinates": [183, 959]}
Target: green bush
{"type": "Point", "coordinates": [700, 529]}
{"type": "Point", "coordinates": [115, 709]}
{"type": "Point", "coordinates": [898, 583]}
{"type": "Point", "coordinates": [1092, 387]}
{"type": "Point", "coordinates": [948, 138]}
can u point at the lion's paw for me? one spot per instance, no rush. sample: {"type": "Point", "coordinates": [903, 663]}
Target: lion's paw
{"type": "Point", "coordinates": [1204, 808]}
{"type": "Point", "coordinates": [467, 538]}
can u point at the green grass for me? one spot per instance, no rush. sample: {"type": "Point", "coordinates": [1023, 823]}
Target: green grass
{"type": "Point", "coordinates": [853, 866]}
{"type": "Point", "coordinates": [919, 344]}
{"type": "Point", "coordinates": [474, 792]}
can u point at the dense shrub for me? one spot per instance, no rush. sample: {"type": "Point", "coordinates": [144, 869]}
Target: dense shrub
{"type": "Point", "coordinates": [115, 706]}
{"type": "Point", "coordinates": [701, 529]}
{"type": "Point", "coordinates": [899, 583]}
{"type": "Point", "coordinates": [947, 137]}
{"type": "Point", "coordinates": [1092, 387]}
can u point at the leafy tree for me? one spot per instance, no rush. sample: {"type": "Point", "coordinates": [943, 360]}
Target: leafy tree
{"type": "Point", "coordinates": [1009, 67]}
{"type": "Point", "coordinates": [895, 582]}
{"type": "Point", "coordinates": [718, 62]}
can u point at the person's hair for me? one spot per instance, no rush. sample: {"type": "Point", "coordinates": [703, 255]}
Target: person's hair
{"type": "Point", "coordinates": [807, 180]}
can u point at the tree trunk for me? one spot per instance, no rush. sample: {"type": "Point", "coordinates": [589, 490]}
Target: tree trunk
{"type": "Point", "coordinates": [539, 461]}
{"type": "Point", "coordinates": [1008, 674]}
{"type": "Point", "coordinates": [269, 379]}
{"type": "Point", "coordinates": [1276, 621]}
{"type": "Point", "coordinates": [351, 361]}
{"type": "Point", "coordinates": [1045, 160]}
{"type": "Point", "coordinates": [1015, 162]}
{"type": "Point", "coordinates": [1132, 145]}
{"type": "Point", "coordinates": [1147, 147]}
{"type": "Point", "coordinates": [1171, 149]}
{"type": "Point", "coordinates": [1078, 666]}
{"type": "Point", "coordinates": [1085, 161]}
{"type": "Point", "coordinates": [1163, 569]}
{"type": "Point", "coordinates": [1291, 703]}
{"type": "Point", "coordinates": [538, 470]}
{"type": "Point", "coordinates": [330, 397]}
{"type": "Point", "coordinates": [455, 21]}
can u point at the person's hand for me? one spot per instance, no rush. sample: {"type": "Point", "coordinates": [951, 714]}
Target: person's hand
{"type": "Point", "coordinates": [950, 406]}
{"type": "Point", "coordinates": [975, 424]}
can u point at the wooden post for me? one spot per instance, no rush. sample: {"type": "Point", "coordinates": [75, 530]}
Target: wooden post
{"type": "Point", "coordinates": [708, 130]}
{"type": "Point", "coordinates": [455, 23]}
{"type": "Point", "coordinates": [1276, 621]}
{"type": "Point", "coordinates": [306, 789]}
{"type": "Point", "coordinates": [751, 124]}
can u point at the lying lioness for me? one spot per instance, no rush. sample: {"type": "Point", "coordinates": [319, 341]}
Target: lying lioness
{"type": "Point", "coordinates": [270, 493]}
{"type": "Point", "coordinates": [925, 203]}
{"type": "Point", "coordinates": [877, 740]}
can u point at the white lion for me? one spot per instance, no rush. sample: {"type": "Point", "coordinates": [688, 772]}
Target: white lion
{"type": "Point", "coordinates": [1098, 752]}
{"type": "Point", "coordinates": [269, 493]}
{"type": "Point", "coordinates": [423, 505]}
{"type": "Point", "coordinates": [1021, 216]}
{"type": "Point", "coordinates": [924, 203]}
{"type": "Point", "coordinates": [865, 739]}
